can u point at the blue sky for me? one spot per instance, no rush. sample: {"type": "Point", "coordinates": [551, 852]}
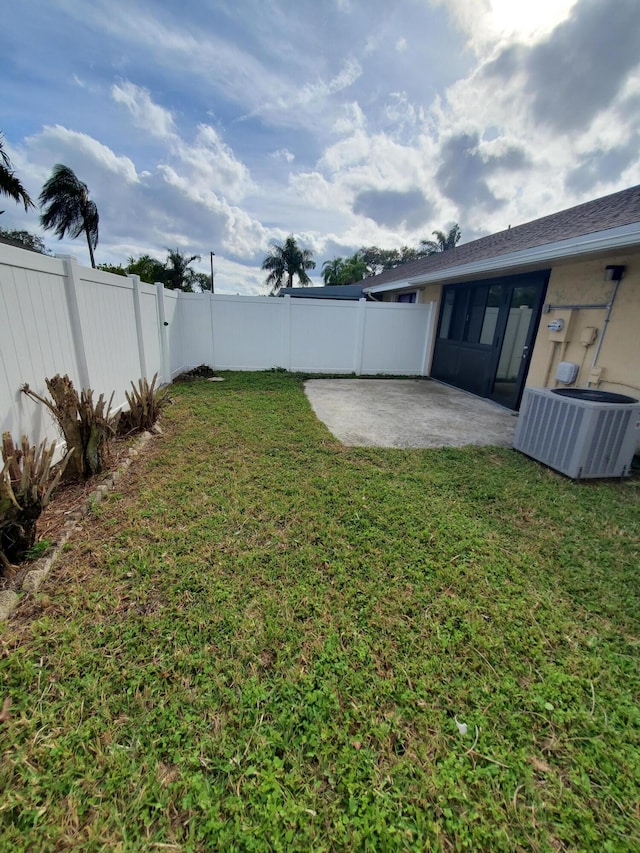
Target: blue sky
{"type": "Point", "coordinates": [215, 125]}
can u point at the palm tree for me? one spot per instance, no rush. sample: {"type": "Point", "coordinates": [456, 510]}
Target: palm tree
{"type": "Point", "coordinates": [287, 260]}
{"type": "Point", "coordinates": [443, 241]}
{"type": "Point", "coordinates": [331, 271]}
{"type": "Point", "coordinates": [354, 269]}
{"type": "Point", "coordinates": [177, 272]}
{"type": "Point", "coordinates": [70, 208]}
{"type": "Point", "coordinates": [9, 184]}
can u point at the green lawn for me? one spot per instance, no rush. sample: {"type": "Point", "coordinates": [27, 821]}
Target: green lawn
{"type": "Point", "coordinates": [262, 640]}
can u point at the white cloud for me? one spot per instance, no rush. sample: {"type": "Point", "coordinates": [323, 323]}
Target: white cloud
{"type": "Point", "coordinates": [350, 119]}
{"type": "Point", "coordinates": [240, 234]}
{"type": "Point", "coordinates": [401, 45]}
{"type": "Point", "coordinates": [59, 144]}
{"type": "Point", "coordinates": [146, 115]}
{"type": "Point", "coordinates": [283, 154]}
{"type": "Point", "coordinates": [212, 164]}
{"type": "Point", "coordinates": [489, 23]}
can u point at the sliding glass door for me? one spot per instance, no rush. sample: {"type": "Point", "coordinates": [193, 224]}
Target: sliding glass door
{"type": "Point", "coordinates": [485, 335]}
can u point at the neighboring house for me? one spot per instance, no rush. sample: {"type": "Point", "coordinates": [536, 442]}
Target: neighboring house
{"type": "Point", "coordinates": [337, 291]}
{"type": "Point", "coordinates": [514, 305]}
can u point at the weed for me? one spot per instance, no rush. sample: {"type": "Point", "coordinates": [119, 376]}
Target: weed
{"type": "Point", "coordinates": [38, 549]}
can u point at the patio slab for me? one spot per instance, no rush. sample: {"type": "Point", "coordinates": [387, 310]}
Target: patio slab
{"type": "Point", "coordinates": [407, 413]}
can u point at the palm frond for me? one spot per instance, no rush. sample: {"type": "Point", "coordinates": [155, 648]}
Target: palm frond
{"type": "Point", "coordinates": [10, 184]}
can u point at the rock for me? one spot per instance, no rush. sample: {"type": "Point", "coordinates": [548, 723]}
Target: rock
{"type": "Point", "coordinates": [33, 579]}
{"type": "Point", "coordinates": [8, 602]}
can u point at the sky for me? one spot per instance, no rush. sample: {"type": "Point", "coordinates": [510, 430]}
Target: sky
{"type": "Point", "coordinates": [224, 125]}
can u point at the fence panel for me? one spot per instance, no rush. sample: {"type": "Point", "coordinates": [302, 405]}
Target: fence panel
{"type": "Point", "coordinates": [196, 329]}
{"type": "Point", "coordinates": [175, 324]}
{"type": "Point", "coordinates": [320, 336]}
{"type": "Point", "coordinates": [396, 338]}
{"type": "Point", "coordinates": [324, 335]}
{"type": "Point", "coordinates": [150, 338]}
{"type": "Point", "coordinates": [57, 317]}
{"type": "Point", "coordinates": [36, 338]}
{"type": "Point", "coordinates": [105, 303]}
{"type": "Point", "coordinates": [249, 333]}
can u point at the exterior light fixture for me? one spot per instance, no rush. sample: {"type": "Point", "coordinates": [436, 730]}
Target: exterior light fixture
{"type": "Point", "coordinates": [613, 272]}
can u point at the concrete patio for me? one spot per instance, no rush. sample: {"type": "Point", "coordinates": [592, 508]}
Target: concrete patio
{"type": "Point", "coordinates": [407, 413]}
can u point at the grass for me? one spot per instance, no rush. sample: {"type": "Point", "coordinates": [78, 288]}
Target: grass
{"type": "Point", "coordinates": [263, 641]}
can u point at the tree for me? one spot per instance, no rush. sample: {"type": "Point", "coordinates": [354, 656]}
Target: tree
{"type": "Point", "coordinates": [203, 281]}
{"type": "Point", "coordinates": [443, 242]}
{"type": "Point", "coordinates": [178, 274]}
{"type": "Point", "coordinates": [10, 185]}
{"type": "Point", "coordinates": [70, 209]}
{"type": "Point", "coordinates": [354, 269]}
{"type": "Point", "coordinates": [149, 269]}
{"type": "Point", "coordinates": [25, 239]}
{"type": "Point", "coordinates": [115, 269]}
{"type": "Point", "coordinates": [287, 260]}
{"type": "Point", "coordinates": [345, 270]}
{"type": "Point", "coordinates": [331, 271]}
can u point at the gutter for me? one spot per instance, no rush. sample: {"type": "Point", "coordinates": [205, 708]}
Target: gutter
{"type": "Point", "coordinates": [597, 242]}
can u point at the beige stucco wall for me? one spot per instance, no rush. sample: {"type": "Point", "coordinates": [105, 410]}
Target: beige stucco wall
{"type": "Point", "coordinates": [618, 364]}
{"type": "Point", "coordinates": [424, 294]}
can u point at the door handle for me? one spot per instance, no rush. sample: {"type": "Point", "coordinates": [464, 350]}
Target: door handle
{"type": "Point", "coordinates": [525, 350]}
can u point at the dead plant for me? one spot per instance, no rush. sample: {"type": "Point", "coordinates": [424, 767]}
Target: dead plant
{"type": "Point", "coordinates": [27, 482]}
{"type": "Point", "coordinates": [86, 426]}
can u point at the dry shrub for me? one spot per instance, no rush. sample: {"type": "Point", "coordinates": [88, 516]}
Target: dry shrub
{"type": "Point", "coordinates": [27, 482]}
{"type": "Point", "coordinates": [87, 427]}
{"type": "Point", "coordinates": [145, 404]}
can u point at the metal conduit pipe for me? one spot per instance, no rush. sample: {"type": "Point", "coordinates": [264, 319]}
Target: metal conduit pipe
{"type": "Point", "coordinates": [609, 307]}
{"type": "Point", "coordinates": [546, 308]}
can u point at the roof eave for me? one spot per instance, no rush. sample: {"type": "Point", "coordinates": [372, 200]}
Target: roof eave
{"type": "Point", "coordinates": [589, 244]}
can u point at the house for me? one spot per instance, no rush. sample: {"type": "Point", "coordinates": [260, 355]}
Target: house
{"type": "Point", "coordinates": [351, 292]}
{"type": "Point", "coordinates": [514, 306]}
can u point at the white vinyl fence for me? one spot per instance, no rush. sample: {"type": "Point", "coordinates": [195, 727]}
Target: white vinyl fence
{"type": "Point", "coordinates": [105, 331]}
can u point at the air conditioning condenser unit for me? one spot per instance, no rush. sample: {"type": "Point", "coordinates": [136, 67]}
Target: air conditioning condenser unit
{"type": "Point", "coordinates": [581, 432]}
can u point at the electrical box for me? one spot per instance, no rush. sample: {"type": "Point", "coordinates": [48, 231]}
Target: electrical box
{"type": "Point", "coordinates": [588, 336]}
{"type": "Point", "coordinates": [559, 325]}
{"type": "Point", "coordinates": [596, 375]}
{"type": "Point", "coordinates": [567, 372]}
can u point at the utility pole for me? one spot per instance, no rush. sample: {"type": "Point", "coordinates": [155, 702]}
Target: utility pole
{"type": "Point", "coordinates": [211, 255]}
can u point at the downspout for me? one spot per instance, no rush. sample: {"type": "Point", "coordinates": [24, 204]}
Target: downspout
{"type": "Point", "coordinates": [612, 298]}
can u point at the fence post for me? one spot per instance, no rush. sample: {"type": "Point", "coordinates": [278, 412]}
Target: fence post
{"type": "Point", "coordinates": [287, 332]}
{"type": "Point", "coordinates": [359, 336]}
{"type": "Point", "coordinates": [135, 281]}
{"type": "Point", "coordinates": [212, 300]}
{"type": "Point", "coordinates": [162, 334]}
{"type": "Point", "coordinates": [71, 282]}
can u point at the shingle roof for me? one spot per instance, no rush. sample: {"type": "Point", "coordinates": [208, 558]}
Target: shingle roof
{"type": "Point", "coordinates": [611, 211]}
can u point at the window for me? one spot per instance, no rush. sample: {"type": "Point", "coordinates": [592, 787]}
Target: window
{"type": "Point", "coordinates": [407, 297]}
{"type": "Point", "coordinates": [470, 313]}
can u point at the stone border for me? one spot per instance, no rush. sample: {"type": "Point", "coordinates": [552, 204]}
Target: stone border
{"type": "Point", "coordinates": [9, 598]}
